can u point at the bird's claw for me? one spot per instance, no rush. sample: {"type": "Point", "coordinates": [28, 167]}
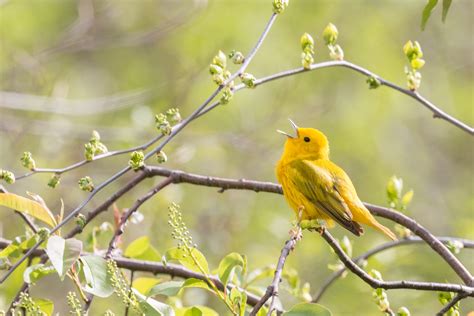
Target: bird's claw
{"type": "Point", "coordinates": [296, 232]}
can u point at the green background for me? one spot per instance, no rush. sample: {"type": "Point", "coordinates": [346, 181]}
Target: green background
{"type": "Point", "coordinates": [161, 50]}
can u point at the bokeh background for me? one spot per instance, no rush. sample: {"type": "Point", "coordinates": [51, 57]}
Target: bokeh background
{"type": "Point", "coordinates": [68, 67]}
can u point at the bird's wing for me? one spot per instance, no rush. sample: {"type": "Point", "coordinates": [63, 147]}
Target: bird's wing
{"type": "Point", "coordinates": [322, 188]}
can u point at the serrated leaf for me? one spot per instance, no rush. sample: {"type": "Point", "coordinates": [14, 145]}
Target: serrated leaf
{"type": "Point", "coordinates": [152, 307]}
{"type": "Point", "coordinates": [196, 262]}
{"type": "Point", "coordinates": [169, 288]}
{"type": "Point", "coordinates": [27, 206]}
{"type": "Point", "coordinates": [308, 309]}
{"type": "Point", "coordinates": [96, 276]}
{"type": "Point", "coordinates": [446, 6]}
{"type": "Point", "coordinates": [228, 265]}
{"type": "Point", "coordinates": [144, 285]}
{"type": "Point", "coordinates": [427, 12]}
{"type": "Point", "coordinates": [63, 253]}
{"type": "Point", "coordinates": [142, 249]}
{"type": "Point", "coordinates": [35, 272]}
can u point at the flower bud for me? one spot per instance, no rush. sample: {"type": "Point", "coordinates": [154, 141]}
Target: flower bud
{"type": "Point", "coordinates": [162, 124]}
{"type": "Point", "coordinates": [417, 63]}
{"type": "Point", "coordinates": [173, 116]}
{"type": "Point", "coordinates": [214, 69]}
{"type": "Point", "coordinates": [336, 52]}
{"type": "Point", "coordinates": [248, 80]}
{"type": "Point", "coordinates": [346, 245]}
{"type": "Point", "coordinates": [412, 50]}
{"type": "Point", "coordinates": [220, 59]}
{"type": "Point", "coordinates": [237, 57]}
{"type": "Point", "coordinates": [7, 176]}
{"type": "Point", "coordinates": [81, 220]}
{"type": "Point", "coordinates": [227, 95]}
{"type": "Point", "coordinates": [95, 137]}
{"type": "Point", "coordinates": [373, 82]}
{"type": "Point", "coordinates": [280, 5]}
{"type": "Point", "coordinates": [161, 157]}
{"type": "Point", "coordinates": [413, 80]}
{"type": "Point", "coordinates": [137, 160]}
{"type": "Point", "coordinates": [54, 181]}
{"type": "Point", "coordinates": [27, 160]}
{"type": "Point", "coordinates": [218, 79]}
{"type": "Point", "coordinates": [376, 274]}
{"type": "Point", "coordinates": [330, 34]}
{"type": "Point", "coordinates": [89, 151]}
{"type": "Point", "coordinates": [306, 60]}
{"type": "Point", "coordinates": [86, 184]}
{"type": "Point", "coordinates": [403, 311]}
{"type": "Point", "coordinates": [43, 233]}
{"type": "Point", "coordinates": [307, 43]}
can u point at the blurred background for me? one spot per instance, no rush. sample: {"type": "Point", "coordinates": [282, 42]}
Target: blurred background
{"type": "Point", "coordinates": [69, 67]}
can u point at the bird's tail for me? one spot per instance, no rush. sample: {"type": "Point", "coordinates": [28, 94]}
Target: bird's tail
{"type": "Point", "coordinates": [384, 230]}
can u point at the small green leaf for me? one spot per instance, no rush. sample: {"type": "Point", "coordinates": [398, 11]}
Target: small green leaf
{"type": "Point", "coordinates": [194, 261]}
{"type": "Point", "coordinates": [27, 206]}
{"type": "Point", "coordinates": [446, 6]}
{"type": "Point", "coordinates": [96, 276]}
{"type": "Point", "coordinates": [196, 283]}
{"type": "Point", "coordinates": [407, 197]}
{"type": "Point", "coordinates": [144, 285]}
{"type": "Point", "coordinates": [142, 249]}
{"type": "Point", "coordinates": [170, 288]}
{"type": "Point", "coordinates": [228, 265]}
{"type": "Point", "coordinates": [427, 12]}
{"type": "Point", "coordinates": [46, 306]}
{"type": "Point", "coordinates": [63, 253]}
{"type": "Point", "coordinates": [35, 272]}
{"type": "Point", "coordinates": [152, 307]}
{"type": "Point", "coordinates": [308, 309]}
{"type": "Point", "coordinates": [196, 310]}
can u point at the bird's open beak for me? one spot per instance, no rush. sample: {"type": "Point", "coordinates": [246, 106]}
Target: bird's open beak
{"type": "Point", "coordinates": [295, 128]}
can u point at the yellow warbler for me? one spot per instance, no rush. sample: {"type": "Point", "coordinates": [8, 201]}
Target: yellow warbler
{"type": "Point", "coordinates": [316, 188]}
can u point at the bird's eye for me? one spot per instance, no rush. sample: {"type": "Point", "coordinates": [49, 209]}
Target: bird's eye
{"type": "Point", "coordinates": [306, 139]}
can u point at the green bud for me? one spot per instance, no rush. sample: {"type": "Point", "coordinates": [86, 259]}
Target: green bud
{"type": "Point", "coordinates": [346, 245]}
{"type": "Point", "coordinates": [43, 233]}
{"type": "Point", "coordinates": [307, 60]}
{"type": "Point", "coordinates": [7, 176]}
{"type": "Point", "coordinates": [376, 274]}
{"type": "Point", "coordinates": [383, 304]}
{"type": "Point", "coordinates": [218, 79]}
{"type": "Point", "coordinates": [330, 34]}
{"type": "Point", "coordinates": [161, 157]}
{"type": "Point", "coordinates": [81, 220]}
{"type": "Point", "coordinates": [220, 59]}
{"type": "Point", "coordinates": [95, 137]}
{"type": "Point", "coordinates": [307, 43]}
{"type": "Point", "coordinates": [86, 184]}
{"type": "Point", "coordinates": [373, 82]}
{"type": "Point", "coordinates": [445, 297]}
{"type": "Point", "coordinates": [394, 189]}
{"type": "Point", "coordinates": [455, 246]}
{"type": "Point", "coordinates": [54, 181]}
{"type": "Point", "coordinates": [413, 80]}
{"type": "Point", "coordinates": [89, 151]}
{"type": "Point", "coordinates": [407, 197]}
{"type": "Point", "coordinates": [100, 149]}
{"type": "Point", "coordinates": [27, 160]}
{"type": "Point", "coordinates": [402, 231]}
{"type": "Point", "coordinates": [137, 160]}
{"type": "Point", "coordinates": [237, 57]}
{"type": "Point", "coordinates": [227, 95]}
{"type": "Point", "coordinates": [417, 63]}
{"type": "Point", "coordinates": [412, 50]}
{"type": "Point", "coordinates": [248, 80]}
{"type": "Point", "coordinates": [173, 116]}
{"type": "Point", "coordinates": [403, 311]}
{"type": "Point", "coordinates": [280, 5]}
{"type": "Point", "coordinates": [215, 69]}
{"type": "Point", "coordinates": [162, 124]}
{"type": "Point", "coordinates": [336, 52]}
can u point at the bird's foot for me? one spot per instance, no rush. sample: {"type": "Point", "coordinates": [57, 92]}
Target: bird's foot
{"type": "Point", "coordinates": [314, 225]}
{"type": "Point", "coordinates": [296, 232]}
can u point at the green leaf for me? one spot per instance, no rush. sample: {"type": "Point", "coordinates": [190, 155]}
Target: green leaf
{"type": "Point", "coordinates": [144, 285]}
{"type": "Point", "coordinates": [427, 12]}
{"type": "Point", "coordinates": [196, 283]}
{"type": "Point", "coordinates": [35, 272]}
{"type": "Point", "coordinates": [308, 309]}
{"type": "Point", "coordinates": [170, 288]}
{"type": "Point", "coordinates": [259, 274]}
{"type": "Point", "coordinates": [196, 310]}
{"type": "Point", "coordinates": [228, 265]}
{"type": "Point", "coordinates": [46, 306]}
{"type": "Point", "coordinates": [446, 6]}
{"type": "Point", "coordinates": [27, 206]}
{"type": "Point", "coordinates": [97, 276]}
{"type": "Point", "coordinates": [238, 299]}
{"type": "Point", "coordinates": [142, 249]}
{"type": "Point", "coordinates": [196, 262]}
{"type": "Point", "coordinates": [407, 197]}
{"type": "Point", "coordinates": [152, 307]}
{"type": "Point", "coordinates": [63, 253]}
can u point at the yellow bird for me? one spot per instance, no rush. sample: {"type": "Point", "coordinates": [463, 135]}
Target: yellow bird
{"type": "Point", "coordinates": [316, 188]}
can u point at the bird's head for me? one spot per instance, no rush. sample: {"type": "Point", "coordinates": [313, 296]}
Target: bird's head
{"type": "Point", "coordinates": [307, 143]}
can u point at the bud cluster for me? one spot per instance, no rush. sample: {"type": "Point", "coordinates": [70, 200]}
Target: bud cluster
{"type": "Point", "coordinates": [330, 35]}
{"type": "Point", "coordinates": [27, 161]}
{"type": "Point", "coordinates": [54, 181]}
{"type": "Point", "coordinates": [161, 157]}
{"type": "Point", "coordinates": [121, 287]}
{"type": "Point", "coordinates": [218, 68]}
{"type": "Point", "coordinates": [94, 147]}
{"type": "Point", "coordinates": [446, 297]}
{"type": "Point", "coordinates": [180, 230]}
{"type": "Point", "coordinates": [280, 5]}
{"type": "Point", "coordinates": [74, 304]}
{"type": "Point", "coordinates": [307, 45]}
{"type": "Point", "coordinates": [379, 295]}
{"type": "Point", "coordinates": [165, 122]}
{"type": "Point", "coordinates": [137, 160]}
{"type": "Point", "coordinates": [7, 176]}
{"type": "Point", "coordinates": [236, 57]}
{"type": "Point", "coordinates": [373, 82]}
{"type": "Point", "coordinates": [28, 305]}
{"type": "Point", "coordinates": [86, 184]}
{"type": "Point", "coordinates": [414, 54]}
{"type": "Point", "coordinates": [248, 80]}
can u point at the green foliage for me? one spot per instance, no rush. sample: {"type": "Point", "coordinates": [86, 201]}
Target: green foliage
{"type": "Point", "coordinates": [27, 161]}
{"type": "Point", "coordinates": [429, 9]}
{"type": "Point", "coordinates": [141, 248]}
{"type": "Point", "coordinates": [94, 147]}
{"type": "Point", "coordinates": [35, 208]}
{"type": "Point", "coordinates": [228, 265]}
{"type": "Point", "coordinates": [445, 298]}
{"type": "Point", "coordinates": [97, 276]}
{"type": "Point", "coordinates": [86, 184]}
{"type": "Point", "coordinates": [137, 160]}
{"type": "Point", "coordinates": [36, 271]}
{"type": "Point", "coordinates": [63, 253]}
{"type": "Point", "coordinates": [54, 181]}
{"type": "Point", "coordinates": [7, 176]}
{"type": "Point", "coordinates": [34, 306]}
